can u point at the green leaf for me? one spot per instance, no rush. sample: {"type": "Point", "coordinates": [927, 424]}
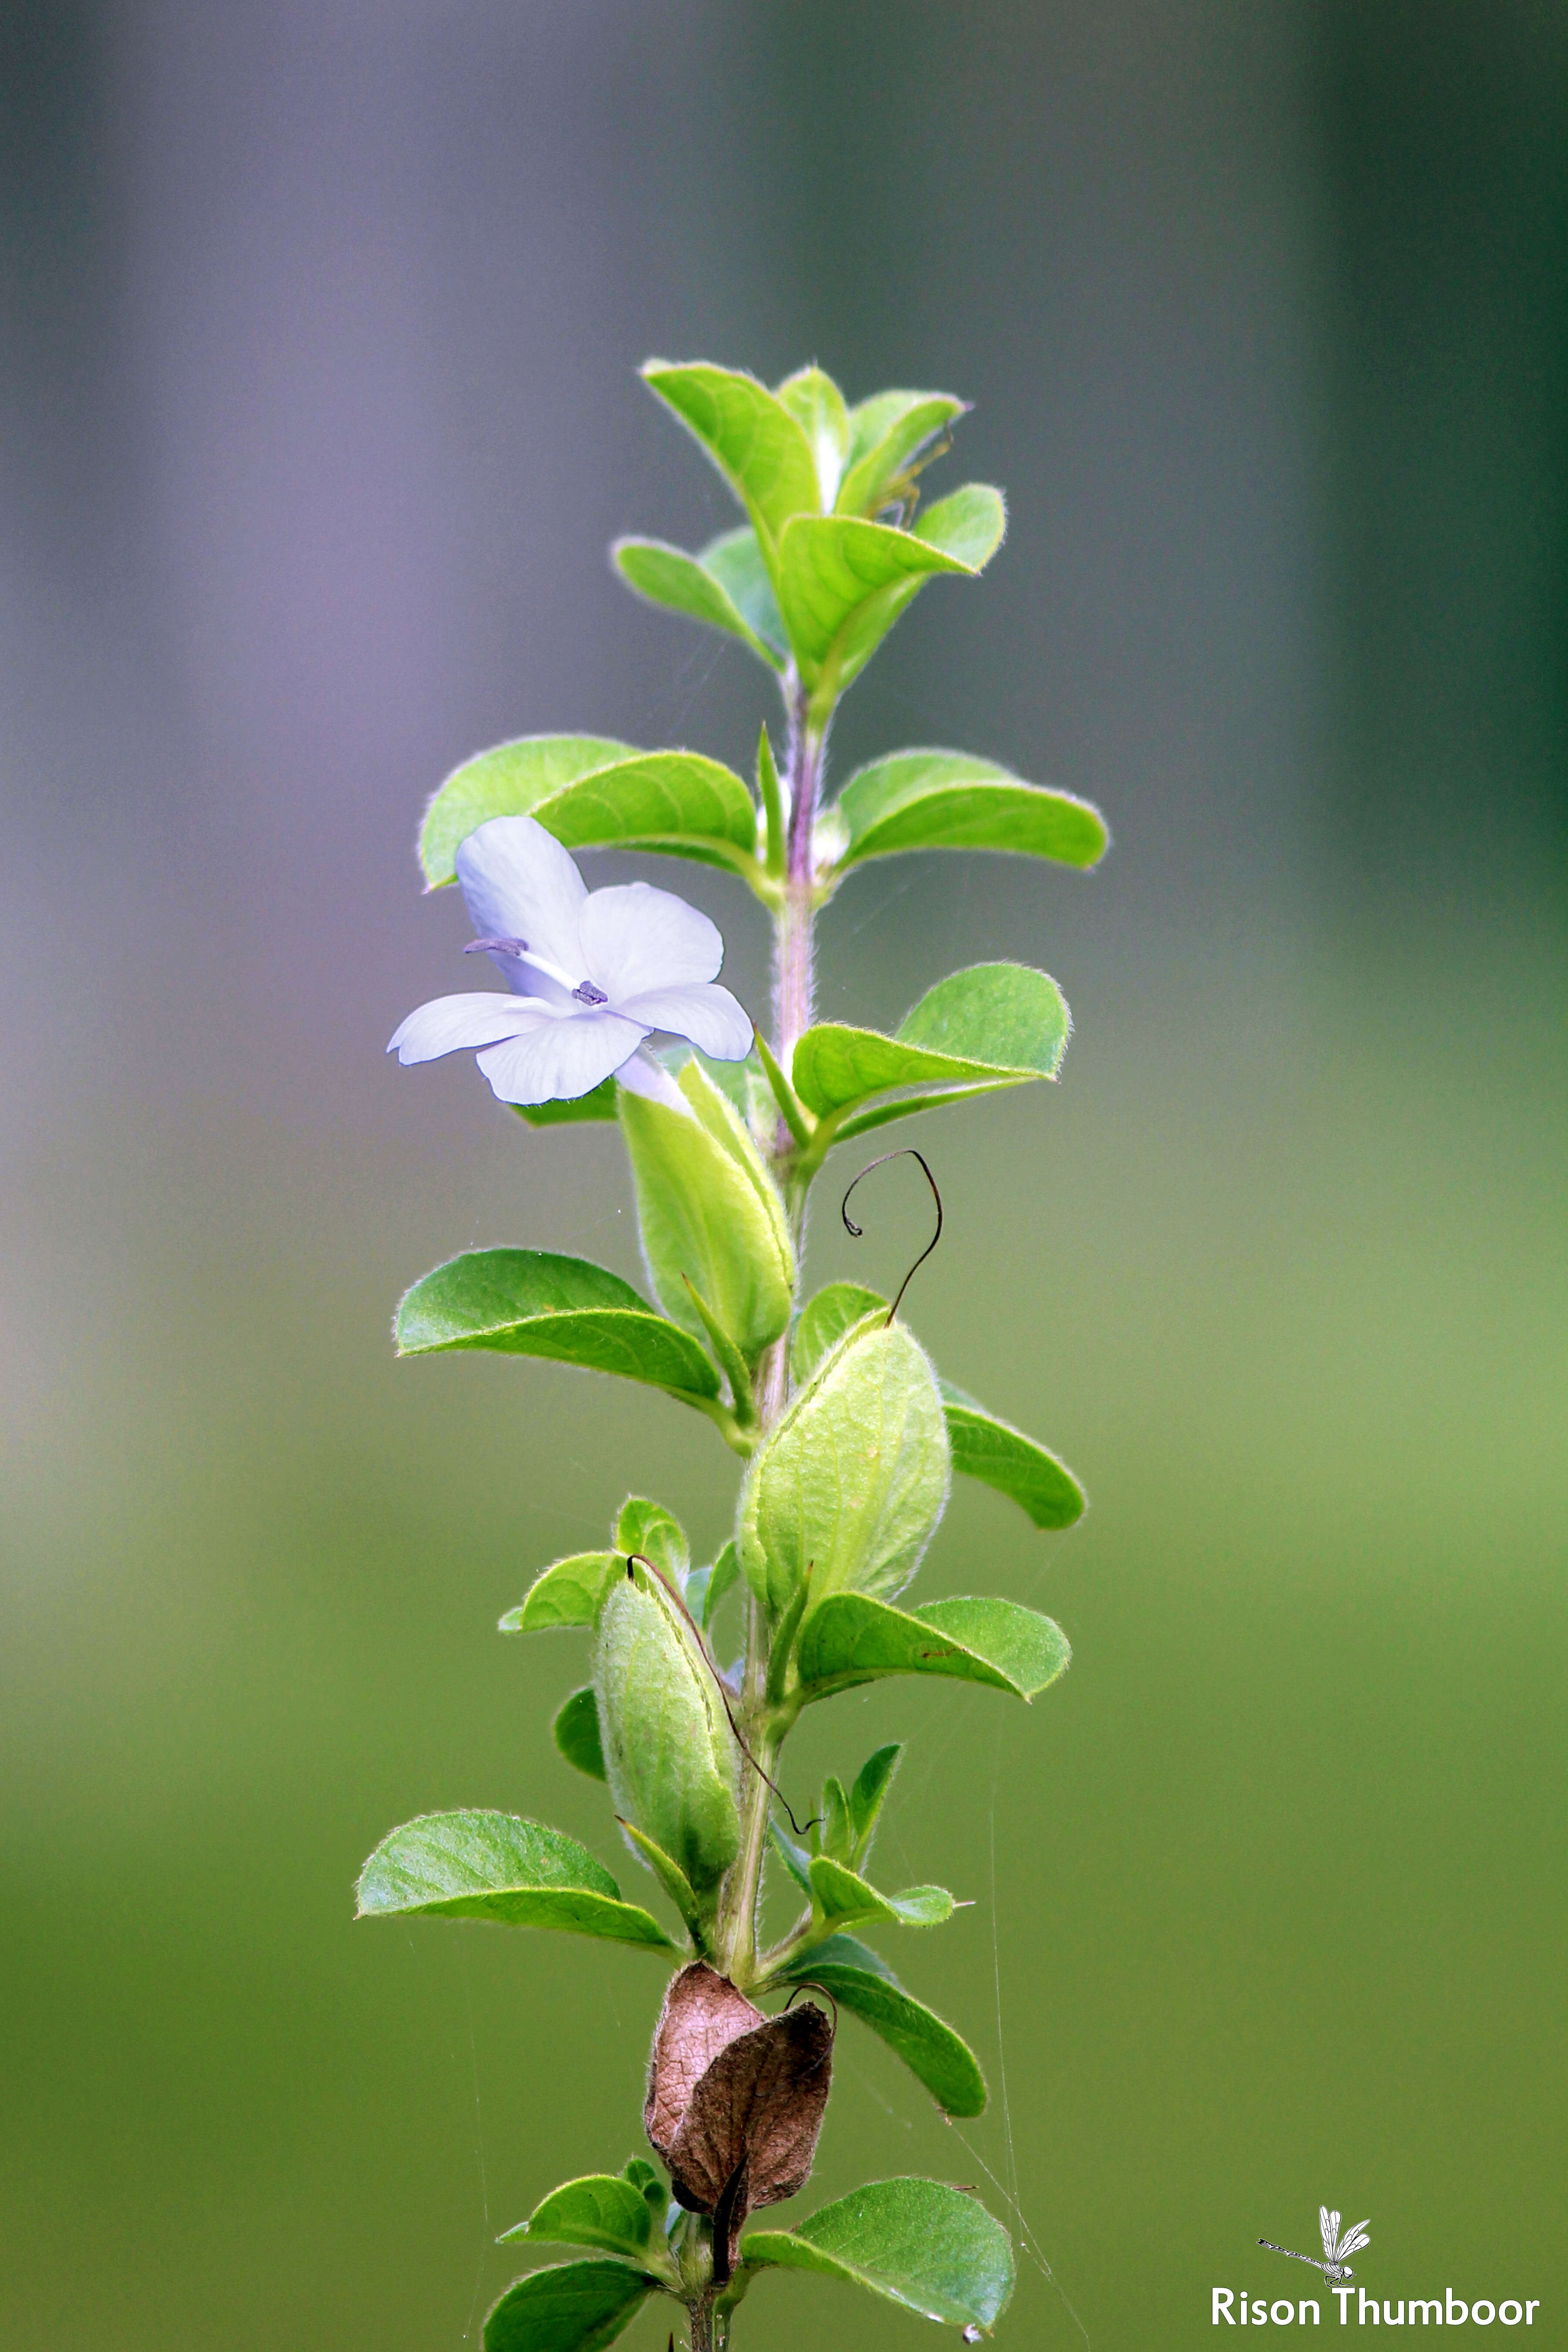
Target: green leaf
{"type": "Point", "coordinates": [749, 434]}
{"type": "Point", "coordinates": [1002, 1457]}
{"type": "Point", "coordinates": [969, 524]}
{"type": "Point", "coordinates": [532, 1303]}
{"type": "Point", "coordinates": [837, 1831]}
{"type": "Point", "coordinates": [853, 1639]}
{"type": "Point", "coordinates": [710, 1213]}
{"type": "Point", "coordinates": [949, 800]}
{"type": "Point", "coordinates": [571, 2307]}
{"type": "Point", "coordinates": [887, 433]}
{"type": "Point", "coordinates": [648, 1528]}
{"type": "Point", "coordinates": [844, 582]}
{"type": "Point", "coordinates": [482, 1865]}
{"type": "Point", "coordinates": [599, 1103]}
{"type": "Point", "coordinates": [678, 802]}
{"type": "Point", "coordinates": [736, 561]}
{"type": "Point", "coordinates": [724, 1573]}
{"type": "Point", "coordinates": [683, 584]}
{"type": "Point", "coordinates": [795, 1858]}
{"type": "Point", "coordinates": [568, 1593]}
{"type": "Point", "coordinates": [823, 1320]}
{"type": "Point", "coordinates": [670, 1876]}
{"type": "Point", "coordinates": [816, 403]}
{"type": "Point", "coordinates": [669, 1753]}
{"type": "Point", "coordinates": [860, 1981]}
{"type": "Point", "coordinates": [868, 1797]}
{"type": "Point", "coordinates": [934, 2249]}
{"type": "Point", "coordinates": [576, 1734]}
{"type": "Point", "coordinates": [851, 1482]}
{"type": "Point", "coordinates": [601, 2210]}
{"type": "Point", "coordinates": [843, 1897]}
{"type": "Point", "coordinates": [646, 2180]}
{"type": "Point", "coordinates": [514, 779]}
{"type": "Point", "coordinates": [994, 1025]}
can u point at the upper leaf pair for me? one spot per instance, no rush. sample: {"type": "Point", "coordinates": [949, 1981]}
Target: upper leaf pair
{"type": "Point", "coordinates": [813, 582]}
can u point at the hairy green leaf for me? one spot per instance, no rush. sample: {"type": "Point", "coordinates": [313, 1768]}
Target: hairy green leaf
{"type": "Point", "coordinates": [1002, 1457]}
{"type": "Point", "coordinates": [670, 1876]}
{"type": "Point", "coordinates": [816, 403]}
{"type": "Point", "coordinates": [710, 1214]}
{"type": "Point", "coordinates": [602, 2210]}
{"type": "Point", "coordinates": [852, 1481]}
{"type": "Point", "coordinates": [722, 1576]}
{"type": "Point", "coordinates": [532, 1303]}
{"type": "Point", "coordinates": [736, 561]}
{"type": "Point", "coordinates": [683, 583]}
{"type": "Point", "coordinates": [843, 1897]}
{"type": "Point", "coordinates": [482, 1865]}
{"type": "Point", "coordinates": [853, 1639]}
{"type": "Point", "coordinates": [599, 1103]}
{"type": "Point", "coordinates": [656, 1533]}
{"type": "Point", "coordinates": [678, 802]}
{"type": "Point", "coordinates": [568, 1593]}
{"type": "Point", "coordinates": [843, 582]}
{"type": "Point", "coordinates": [861, 1982]}
{"type": "Point", "coordinates": [949, 800]}
{"type": "Point", "coordinates": [794, 1858]}
{"type": "Point", "coordinates": [571, 2307]}
{"type": "Point", "coordinates": [888, 434]}
{"type": "Point", "coordinates": [996, 1025]}
{"type": "Point", "coordinates": [823, 1320]}
{"type": "Point", "coordinates": [931, 2248]}
{"type": "Point", "coordinates": [514, 779]}
{"type": "Point", "coordinates": [575, 1731]}
{"type": "Point", "coordinates": [668, 1750]}
{"type": "Point", "coordinates": [758, 447]}
{"type": "Point", "coordinates": [837, 1831]}
{"type": "Point", "coordinates": [868, 1797]}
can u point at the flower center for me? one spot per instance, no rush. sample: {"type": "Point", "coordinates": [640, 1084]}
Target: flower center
{"type": "Point", "coordinates": [584, 991]}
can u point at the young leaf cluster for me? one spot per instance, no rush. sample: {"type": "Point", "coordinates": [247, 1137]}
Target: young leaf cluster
{"type": "Point", "coordinates": [691, 1676]}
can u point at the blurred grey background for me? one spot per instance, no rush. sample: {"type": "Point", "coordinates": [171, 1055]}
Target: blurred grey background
{"type": "Point", "coordinates": [319, 410]}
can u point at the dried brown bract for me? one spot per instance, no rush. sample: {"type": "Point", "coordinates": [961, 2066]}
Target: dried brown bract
{"type": "Point", "coordinates": [735, 2100]}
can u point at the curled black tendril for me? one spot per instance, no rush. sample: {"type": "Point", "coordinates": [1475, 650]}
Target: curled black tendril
{"type": "Point", "coordinates": [814, 1984]}
{"type": "Point", "coordinates": [635, 1560]}
{"type": "Point", "coordinates": [905, 1152]}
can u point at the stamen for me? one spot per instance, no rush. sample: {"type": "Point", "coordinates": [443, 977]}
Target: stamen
{"type": "Point", "coordinates": [587, 993]}
{"type": "Point", "coordinates": [501, 947]}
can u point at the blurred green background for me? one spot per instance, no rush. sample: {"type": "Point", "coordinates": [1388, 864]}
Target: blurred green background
{"type": "Point", "coordinates": [319, 324]}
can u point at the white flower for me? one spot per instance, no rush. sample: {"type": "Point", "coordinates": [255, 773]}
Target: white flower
{"type": "Point", "coordinates": [593, 971]}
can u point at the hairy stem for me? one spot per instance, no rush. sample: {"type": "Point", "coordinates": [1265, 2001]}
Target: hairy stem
{"type": "Point", "coordinates": [735, 1938]}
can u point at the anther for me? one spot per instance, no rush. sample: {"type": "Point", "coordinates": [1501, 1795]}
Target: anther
{"type": "Point", "coordinates": [587, 993]}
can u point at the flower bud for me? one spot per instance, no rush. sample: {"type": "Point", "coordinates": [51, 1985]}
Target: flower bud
{"type": "Point", "coordinates": [735, 2101]}
{"type": "Point", "coordinates": [670, 1755]}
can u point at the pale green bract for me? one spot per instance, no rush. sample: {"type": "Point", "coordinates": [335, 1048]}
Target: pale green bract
{"type": "Point", "coordinates": [670, 1755]}
{"type": "Point", "coordinates": [852, 1481]}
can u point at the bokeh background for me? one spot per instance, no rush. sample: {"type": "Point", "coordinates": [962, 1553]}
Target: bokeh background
{"type": "Point", "coordinates": [318, 412]}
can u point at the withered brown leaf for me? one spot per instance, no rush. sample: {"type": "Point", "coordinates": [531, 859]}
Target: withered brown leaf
{"type": "Point", "coordinates": [735, 2100]}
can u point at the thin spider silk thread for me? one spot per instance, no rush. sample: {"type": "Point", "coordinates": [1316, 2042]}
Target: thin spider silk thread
{"type": "Point", "coordinates": [1032, 2245]}
{"type": "Point", "coordinates": [479, 2138]}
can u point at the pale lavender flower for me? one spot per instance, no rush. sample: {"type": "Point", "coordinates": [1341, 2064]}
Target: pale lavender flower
{"type": "Point", "coordinates": [594, 973]}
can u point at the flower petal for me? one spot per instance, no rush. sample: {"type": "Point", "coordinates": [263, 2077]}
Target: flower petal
{"type": "Point", "coordinates": [449, 1025]}
{"type": "Point", "coordinates": [565, 1057]}
{"type": "Point", "coordinates": [519, 883]}
{"type": "Point", "coordinates": [635, 937]}
{"type": "Point", "coordinates": [706, 1014]}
